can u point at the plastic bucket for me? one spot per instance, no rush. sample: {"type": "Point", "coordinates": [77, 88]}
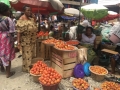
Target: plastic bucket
{"type": "Point", "coordinates": [114, 39]}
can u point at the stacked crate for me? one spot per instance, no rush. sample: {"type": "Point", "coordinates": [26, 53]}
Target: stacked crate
{"type": "Point", "coordinates": [43, 50]}
{"type": "Point", "coordinates": [64, 62]}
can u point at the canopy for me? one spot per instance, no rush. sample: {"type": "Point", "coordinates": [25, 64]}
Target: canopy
{"type": "Point", "coordinates": [72, 12]}
{"type": "Point", "coordinates": [94, 11]}
{"type": "Point", "coordinates": [43, 6]}
{"type": "Point", "coordinates": [111, 15]}
{"type": "Point", "coordinates": [6, 2]}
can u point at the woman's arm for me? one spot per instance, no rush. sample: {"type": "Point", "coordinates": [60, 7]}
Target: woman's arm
{"type": "Point", "coordinates": [79, 37]}
{"type": "Point", "coordinates": [18, 39]}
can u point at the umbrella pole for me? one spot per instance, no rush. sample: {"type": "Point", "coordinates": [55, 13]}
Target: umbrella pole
{"type": "Point", "coordinates": [80, 9]}
{"type": "Point", "coordinates": [39, 19]}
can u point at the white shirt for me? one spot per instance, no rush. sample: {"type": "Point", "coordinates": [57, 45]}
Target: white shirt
{"type": "Point", "coordinates": [88, 40]}
{"type": "Point", "coordinates": [73, 32]}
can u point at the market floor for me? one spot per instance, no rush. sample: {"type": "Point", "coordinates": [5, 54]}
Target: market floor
{"type": "Point", "coordinates": [20, 81]}
{"type": "Point", "coordinates": [23, 81]}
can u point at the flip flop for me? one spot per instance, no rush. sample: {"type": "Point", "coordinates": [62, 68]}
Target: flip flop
{"type": "Point", "coordinates": [19, 56]}
{"type": "Point", "coordinates": [11, 74]}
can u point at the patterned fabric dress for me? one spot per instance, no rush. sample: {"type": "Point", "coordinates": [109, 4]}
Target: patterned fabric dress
{"type": "Point", "coordinates": [28, 33]}
{"type": "Point", "coordinates": [7, 52]}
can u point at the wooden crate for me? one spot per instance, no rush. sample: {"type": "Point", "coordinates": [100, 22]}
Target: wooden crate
{"type": "Point", "coordinates": [65, 54]}
{"type": "Point", "coordinates": [42, 50]}
{"type": "Point", "coordinates": [63, 73]}
{"type": "Point", "coordinates": [63, 63]}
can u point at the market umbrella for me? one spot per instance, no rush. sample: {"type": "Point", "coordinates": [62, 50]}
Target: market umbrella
{"type": "Point", "coordinates": [72, 12]}
{"type": "Point", "coordinates": [94, 11]}
{"type": "Point", "coordinates": [43, 6]}
{"type": "Point", "coordinates": [6, 2]}
{"type": "Point", "coordinates": [111, 15]}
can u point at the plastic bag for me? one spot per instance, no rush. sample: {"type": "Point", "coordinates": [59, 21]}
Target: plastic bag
{"type": "Point", "coordinates": [105, 32]}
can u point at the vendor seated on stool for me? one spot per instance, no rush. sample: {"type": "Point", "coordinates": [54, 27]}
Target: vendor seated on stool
{"type": "Point", "coordinates": [115, 59]}
{"type": "Point", "coordinates": [87, 39]}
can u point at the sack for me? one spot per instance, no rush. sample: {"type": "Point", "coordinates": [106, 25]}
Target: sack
{"type": "Point", "coordinates": [82, 55]}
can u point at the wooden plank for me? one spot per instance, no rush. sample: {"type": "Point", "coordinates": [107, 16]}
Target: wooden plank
{"type": "Point", "coordinates": [68, 73]}
{"type": "Point", "coordinates": [65, 61]}
{"type": "Point", "coordinates": [69, 66]}
{"type": "Point", "coordinates": [65, 54]}
{"type": "Point", "coordinates": [63, 73]}
{"type": "Point", "coordinates": [109, 51]}
{"type": "Point", "coordinates": [66, 66]}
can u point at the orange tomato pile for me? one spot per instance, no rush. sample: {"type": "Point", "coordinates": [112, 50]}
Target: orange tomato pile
{"type": "Point", "coordinates": [41, 33]}
{"type": "Point", "coordinates": [72, 42]}
{"type": "Point", "coordinates": [98, 70]}
{"type": "Point", "coordinates": [50, 77]}
{"type": "Point", "coordinates": [64, 46]}
{"type": "Point", "coordinates": [110, 86]}
{"type": "Point", "coordinates": [80, 84]}
{"type": "Point", "coordinates": [38, 68]}
{"type": "Point", "coordinates": [51, 41]}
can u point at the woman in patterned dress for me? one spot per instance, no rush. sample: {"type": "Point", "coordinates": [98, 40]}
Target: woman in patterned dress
{"type": "Point", "coordinates": [27, 30]}
{"type": "Point", "coordinates": [7, 52]}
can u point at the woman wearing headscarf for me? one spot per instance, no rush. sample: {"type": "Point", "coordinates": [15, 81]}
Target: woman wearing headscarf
{"type": "Point", "coordinates": [7, 52]}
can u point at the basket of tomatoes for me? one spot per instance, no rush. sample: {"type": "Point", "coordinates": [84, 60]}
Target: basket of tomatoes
{"type": "Point", "coordinates": [37, 70]}
{"type": "Point", "coordinates": [98, 73]}
{"type": "Point", "coordinates": [50, 79]}
{"type": "Point", "coordinates": [110, 86]}
{"type": "Point", "coordinates": [80, 84]}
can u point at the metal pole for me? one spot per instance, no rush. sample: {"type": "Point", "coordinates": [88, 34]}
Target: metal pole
{"type": "Point", "coordinates": [80, 9]}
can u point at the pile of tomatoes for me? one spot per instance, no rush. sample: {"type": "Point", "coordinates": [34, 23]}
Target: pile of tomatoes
{"type": "Point", "coordinates": [98, 70]}
{"type": "Point", "coordinates": [41, 33]}
{"type": "Point", "coordinates": [38, 68]}
{"type": "Point", "coordinates": [73, 42]}
{"type": "Point", "coordinates": [52, 41]}
{"type": "Point", "coordinates": [64, 46]}
{"type": "Point", "coordinates": [50, 77]}
{"type": "Point", "coordinates": [80, 84]}
{"type": "Point", "coordinates": [110, 86]}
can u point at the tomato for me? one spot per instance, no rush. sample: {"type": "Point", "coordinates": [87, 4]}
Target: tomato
{"type": "Point", "coordinates": [80, 84]}
{"type": "Point", "coordinates": [38, 68]}
{"type": "Point", "coordinates": [51, 77]}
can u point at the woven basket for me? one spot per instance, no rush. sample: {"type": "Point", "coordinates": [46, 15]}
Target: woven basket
{"type": "Point", "coordinates": [97, 77]}
{"type": "Point", "coordinates": [51, 87]}
{"type": "Point", "coordinates": [35, 77]}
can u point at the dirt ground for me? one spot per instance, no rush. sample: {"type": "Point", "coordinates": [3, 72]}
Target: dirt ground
{"type": "Point", "coordinates": [20, 81]}
{"type": "Point", "coordinates": [23, 81]}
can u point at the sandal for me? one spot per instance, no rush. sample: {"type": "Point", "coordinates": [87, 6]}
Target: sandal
{"type": "Point", "coordinates": [11, 74]}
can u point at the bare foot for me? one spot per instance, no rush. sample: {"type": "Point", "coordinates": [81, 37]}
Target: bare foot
{"type": "Point", "coordinates": [11, 74]}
